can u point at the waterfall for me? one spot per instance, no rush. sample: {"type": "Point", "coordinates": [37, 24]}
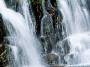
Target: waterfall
{"type": "Point", "coordinates": [25, 10]}
{"type": "Point", "coordinates": [65, 41]}
{"type": "Point", "coordinates": [22, 39]}
{"type": "Point", "coordinates": [76, 22]}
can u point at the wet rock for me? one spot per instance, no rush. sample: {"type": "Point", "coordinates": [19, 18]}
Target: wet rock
{"type": "Point", "coordinates": [2, 57]}
{"type": "Point", "coordinates": [13, 4]}
{"type": "Point", "coordinates": [58, 26]}
{"type": "Point", "coordinates": [37, 10]}
{"type": "Point", "coordinates": [2, 48]}
{"type": "Point", "coordinates": [7, 57]}
{"type": "Point", "coordinates": [62, 48]}
{"type": "Point", "coordinates": [57, 17]}
{"type": "Point", "coordinates": [51, 58]}
{"type": "Point", "coordinates": [57, 20]}
{"type": "Point", "coordinates": [49, 8]}
{"type": "Point", "coordinates": [51, 26]}
{"type": "Point", "coordinates": [2, 32]}
{"type": "Point", "coordinates": [47, 32]}
{"type": "Point", "coordinates": [10, 55]}
{"type": "Point", "coordinates": [47, 26]}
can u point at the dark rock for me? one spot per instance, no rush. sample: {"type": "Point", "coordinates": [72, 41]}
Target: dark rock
{"type": "Point", "coordinates": [2, 51]}
{"type": "Point", "coordinates": [37, 10]}
{"type": "Point", "coordinates": [47, 32]}
{"type": "Point", "coordinates": [13, 4]}
{"type": "Point", "coordinates": [57, 24]}
{"type": "Point", "coordinates": [51, 26]}
{"type": "Point", "coordinates": [62, 48]}
{"type": "Point", "coordinates": [54, 3]}
{"type": "Point", "coordinates": [47, 26]}
{"type": "Point", "coordinates": [3, 55]}
{"type": "Point", "coordinates": [3, 30]}
{"type": "Point", "coordinates": [52, 58]}
{"type": "Point", "coordinates": [3, 60]}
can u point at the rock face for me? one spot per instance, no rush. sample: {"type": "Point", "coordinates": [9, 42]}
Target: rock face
{"type": "Point", "coordinates": [51, 26]}
{"type": "Point", "coordinates": [2, 31]}
{"type": "Point", "coordinates": [62, 48]}
{"type": "Point", "coordinates": [3, 59]}
{"type": "Point", "coordinates": [52, 31]}
{"type": "Point", "coordinates": [37, 10]}
{"type": "Point", "coordinates": [52, 59]}
{"type": "Point", "coordinates": [47, 31]}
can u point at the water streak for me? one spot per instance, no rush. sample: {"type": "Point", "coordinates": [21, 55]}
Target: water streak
{"type": "Point", "coordinates": [21, 36]}
{"type": "Point", "coordinates": [76, 21]}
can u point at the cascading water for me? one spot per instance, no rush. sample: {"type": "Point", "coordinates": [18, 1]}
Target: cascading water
{"type": "Point", "coordinates": [21, 36]}
{"type": "Point", "coordinates": [25, 10]}
{"type": "Point", "coordinates": [76, 22]}
{"type": "Point", "coordinates": [24, 44]}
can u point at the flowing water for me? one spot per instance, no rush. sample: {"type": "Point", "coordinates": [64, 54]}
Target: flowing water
{"type": "Point", "coordinates": [22, 39]}
{"type": "Point", "coordinates": [76, 22]}
{"type": "Point", "coordinates": [26, 47]}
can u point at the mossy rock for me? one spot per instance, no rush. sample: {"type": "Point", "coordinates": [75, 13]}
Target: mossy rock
{"type": "Point", "coordinates": [5, 56]}
{"type": "Point", "coordinates": [51, 59]}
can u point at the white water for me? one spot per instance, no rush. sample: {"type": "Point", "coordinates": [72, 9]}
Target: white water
{"type": "Point", "coordinates": [76, 21]}
{"type": "Point", "coordinates": [25, 9]}
{"type": "Point", "coordinates": [21, 36]}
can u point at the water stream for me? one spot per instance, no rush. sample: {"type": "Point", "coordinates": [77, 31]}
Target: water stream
{"type": "Point", "coordinates": [22, 37]}
{"type": "Point", "coordinates": [76, 22]}
{"type": "Point", "coordinates": [26, 48]}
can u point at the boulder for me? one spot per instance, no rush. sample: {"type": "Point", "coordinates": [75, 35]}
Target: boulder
{"type": "Point", "coordinates": [52, 58]}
